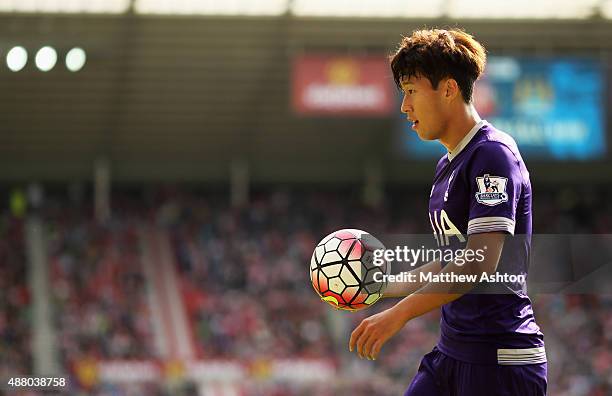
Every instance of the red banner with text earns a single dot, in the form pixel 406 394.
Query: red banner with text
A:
pixel 342 85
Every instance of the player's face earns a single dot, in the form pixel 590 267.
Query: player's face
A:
pixel 424 107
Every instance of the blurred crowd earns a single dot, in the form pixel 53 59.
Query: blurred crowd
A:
pixel 577 328
pixel 582 209
pixel 98 288
pixel 15 307
pixel 244 283
pixel 578 336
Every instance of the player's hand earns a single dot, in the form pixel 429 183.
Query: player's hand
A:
pixel 372 333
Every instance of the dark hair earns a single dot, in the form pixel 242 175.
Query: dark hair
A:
pixel 437 54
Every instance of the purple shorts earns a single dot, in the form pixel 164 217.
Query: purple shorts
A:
pixel 441 375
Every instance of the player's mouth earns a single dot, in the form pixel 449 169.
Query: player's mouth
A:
pixel 415 123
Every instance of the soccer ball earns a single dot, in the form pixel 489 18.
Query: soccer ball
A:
pixel 342 270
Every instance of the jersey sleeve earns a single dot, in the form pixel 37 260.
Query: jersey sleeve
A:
pixel 495 187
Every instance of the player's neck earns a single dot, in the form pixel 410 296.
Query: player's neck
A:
pixel 459 125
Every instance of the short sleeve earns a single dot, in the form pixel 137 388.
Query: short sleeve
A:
pixel 495 188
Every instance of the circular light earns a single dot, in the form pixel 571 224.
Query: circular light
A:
pixel 46 58
pixel 75 59
pixel 16 58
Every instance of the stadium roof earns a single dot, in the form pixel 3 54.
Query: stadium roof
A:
pixel 461 9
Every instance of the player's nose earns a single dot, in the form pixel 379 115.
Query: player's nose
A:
pixel 406 105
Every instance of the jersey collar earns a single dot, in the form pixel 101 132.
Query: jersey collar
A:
pixel 464 142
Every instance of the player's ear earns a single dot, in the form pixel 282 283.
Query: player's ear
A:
pixel 451 88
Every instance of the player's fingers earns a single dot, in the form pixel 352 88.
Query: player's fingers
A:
pixel 367 346
pixel 355 336
pixel 362 341
pixel 376 349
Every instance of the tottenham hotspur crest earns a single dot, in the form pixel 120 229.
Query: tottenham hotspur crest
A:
pixel 491 190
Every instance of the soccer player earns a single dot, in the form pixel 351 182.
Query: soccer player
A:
pixel 490 343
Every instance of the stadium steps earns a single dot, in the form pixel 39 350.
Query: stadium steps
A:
pixel 173 339
pixel 44 343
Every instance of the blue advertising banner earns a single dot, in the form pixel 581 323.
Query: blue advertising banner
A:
pixel 552 107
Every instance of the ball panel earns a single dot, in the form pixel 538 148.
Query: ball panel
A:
pixel 336 285
pixel 347 276
pixel 371 287
pixel 332 270
pixel 313 262
pixel 357 268
pixel 376 287
pixel 349 293
pixel 372 298
pixel 356 252
pixel 368 259
pixel 322 286
pixel 332 244
pixel 360 297
pixel 344 234
pixel 345 246
pixel 319 252
pixel 331 257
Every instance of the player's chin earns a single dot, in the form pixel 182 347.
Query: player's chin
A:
pixel 423 135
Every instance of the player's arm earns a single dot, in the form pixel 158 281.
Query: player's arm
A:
pixel 434 295
pixel 374 331
pixel 403 289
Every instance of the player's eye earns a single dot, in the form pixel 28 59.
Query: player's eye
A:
pixel 409 91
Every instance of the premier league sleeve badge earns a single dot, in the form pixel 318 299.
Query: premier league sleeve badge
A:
pixel 491 190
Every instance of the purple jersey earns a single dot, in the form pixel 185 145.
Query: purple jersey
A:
pixel 483 186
